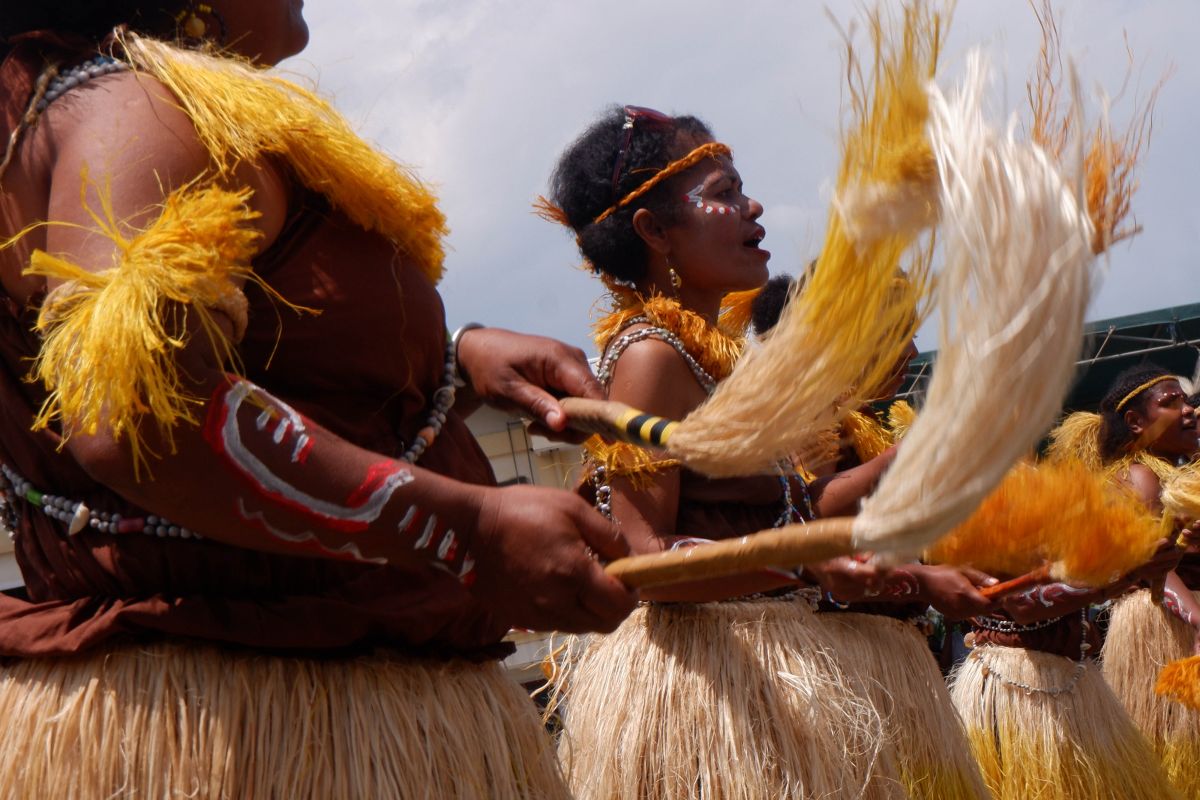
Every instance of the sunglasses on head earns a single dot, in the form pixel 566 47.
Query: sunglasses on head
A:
pixel 632 115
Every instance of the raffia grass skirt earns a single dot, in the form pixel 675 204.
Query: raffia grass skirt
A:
pixel 1142 639
pixel 738 700
pixel 1077 745
pixel 175 721
pixel 888 660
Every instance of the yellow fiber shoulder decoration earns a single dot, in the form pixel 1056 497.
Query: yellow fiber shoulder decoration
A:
pixel 243 114
pixel 867 435
pixel 1077 438
pixel 713 347
pixel 621 459
pixel 111 337
pixel 1064 513
pixel 901 416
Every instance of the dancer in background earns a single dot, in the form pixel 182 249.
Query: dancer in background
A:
pixel 1042 721
pixel 239 487
pixel 1145 428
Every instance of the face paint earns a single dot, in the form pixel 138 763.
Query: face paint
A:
pixel 224 434
pixel 692 196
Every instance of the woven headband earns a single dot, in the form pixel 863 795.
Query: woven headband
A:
pixel 1125 400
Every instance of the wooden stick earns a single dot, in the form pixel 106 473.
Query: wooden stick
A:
pixel 1032 578
pixel 615 420
pixel 788 546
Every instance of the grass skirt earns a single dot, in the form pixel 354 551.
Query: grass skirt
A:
pixel 1142 639
pixel 172 721
pixel 739 700
pixel 889 661
pixel 1077 744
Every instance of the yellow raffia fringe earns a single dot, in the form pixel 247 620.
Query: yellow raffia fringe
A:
pixel 1110 160
pixel 850 326
pixel 111 337
pixel 889 661
pixel 901 416
pixel 739 700
pixel 1064 513
pixel 171 721
pixel 1142 638
pixel 244 114
pixel 1040 746
pixel 714 348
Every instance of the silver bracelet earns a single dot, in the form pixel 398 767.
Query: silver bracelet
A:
pixel 461 378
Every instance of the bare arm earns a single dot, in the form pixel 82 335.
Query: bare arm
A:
pixel 269 480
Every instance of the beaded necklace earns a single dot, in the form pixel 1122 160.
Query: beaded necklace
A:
pixel 705 349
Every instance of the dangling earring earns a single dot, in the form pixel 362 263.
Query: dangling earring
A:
pixel 193 27
pixel 676 281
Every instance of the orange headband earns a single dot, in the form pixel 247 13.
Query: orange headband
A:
pixel 708 150
pixel 1142 388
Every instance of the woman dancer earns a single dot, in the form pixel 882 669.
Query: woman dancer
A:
pixel 262 553
pixel 1042 721
pixel 742 697
pixel 1147 426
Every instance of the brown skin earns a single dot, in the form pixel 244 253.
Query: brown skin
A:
pixel 534 568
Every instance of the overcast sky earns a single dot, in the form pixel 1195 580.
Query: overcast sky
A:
pixel 481 96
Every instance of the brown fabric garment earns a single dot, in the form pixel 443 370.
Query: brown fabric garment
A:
pixel 1189 571
pixel 366 368
pixel 1061 639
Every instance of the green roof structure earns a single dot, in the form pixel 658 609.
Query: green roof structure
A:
pixel 1168 337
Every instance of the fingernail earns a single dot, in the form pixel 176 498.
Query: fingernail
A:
pixel 991 581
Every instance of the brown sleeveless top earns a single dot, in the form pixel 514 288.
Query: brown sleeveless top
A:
pixel 366 368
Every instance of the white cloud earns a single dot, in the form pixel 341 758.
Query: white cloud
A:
pixel 482 95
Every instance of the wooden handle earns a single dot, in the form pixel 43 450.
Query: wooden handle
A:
pixel 788 546
pixel 617 420
pixel 1032 578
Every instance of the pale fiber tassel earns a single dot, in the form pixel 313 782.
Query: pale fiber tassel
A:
pixel 1143 638
pixel 1012 297
pixel 1080 745
pixel 169 721
pixel 741 700
pixel 839 340
pixel 889 661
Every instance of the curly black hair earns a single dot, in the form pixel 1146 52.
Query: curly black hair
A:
pixel 581 185
pixel 768 305
pixel 91 19
pixel 1115 435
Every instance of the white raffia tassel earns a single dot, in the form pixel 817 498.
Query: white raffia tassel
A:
pixel 1012 297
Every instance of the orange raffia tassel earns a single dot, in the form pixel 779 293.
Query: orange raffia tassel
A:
pixel 1063 514
pixel 1180 681
pixel 1110 160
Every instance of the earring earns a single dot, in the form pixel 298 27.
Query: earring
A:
pixel 193 26
pixel 676 281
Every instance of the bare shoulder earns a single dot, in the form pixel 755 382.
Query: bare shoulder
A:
pixel 652 375
pixel 1144 483
pixel 135 144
